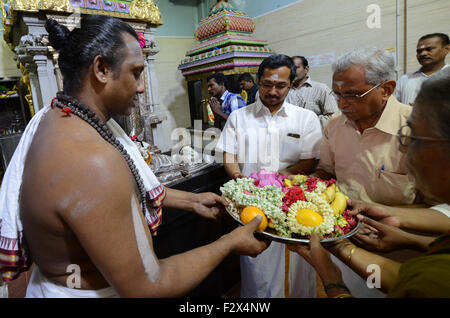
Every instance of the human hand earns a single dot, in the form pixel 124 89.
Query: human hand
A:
pixel 245 242
pixel 319 258
pixel 215 105
pixel 209 205
pixel 238 175
pixel 376 236
pixel 377 212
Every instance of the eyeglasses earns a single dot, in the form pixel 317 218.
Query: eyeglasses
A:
pixel 278 87
pixel 352 97
pixel 405 137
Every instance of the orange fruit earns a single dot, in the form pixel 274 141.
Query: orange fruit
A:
pixel 250 212
pixel 308 217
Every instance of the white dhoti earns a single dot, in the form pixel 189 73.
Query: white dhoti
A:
pixel 264 276
pixel 41 287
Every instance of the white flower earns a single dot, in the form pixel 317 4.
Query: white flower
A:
pixel 242 192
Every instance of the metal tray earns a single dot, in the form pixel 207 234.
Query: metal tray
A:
pixel 289 240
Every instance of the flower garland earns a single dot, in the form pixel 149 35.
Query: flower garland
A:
pixel 316 203
pixel 243 192
pixel 282 202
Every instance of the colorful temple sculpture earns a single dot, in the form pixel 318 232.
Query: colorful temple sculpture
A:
pixel 227 46
pixel 24 31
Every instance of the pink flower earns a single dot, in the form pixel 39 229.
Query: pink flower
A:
pixel 141 38
pixel 264 178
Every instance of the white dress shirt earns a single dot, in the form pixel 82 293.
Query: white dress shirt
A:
pixel 273 142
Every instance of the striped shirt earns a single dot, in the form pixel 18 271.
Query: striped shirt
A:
pixel 408 85
pixel 231 102
pixel 314 96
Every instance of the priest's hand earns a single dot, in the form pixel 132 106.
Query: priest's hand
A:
pixel 208 205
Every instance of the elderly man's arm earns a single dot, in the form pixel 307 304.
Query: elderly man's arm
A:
pixel 304 166
pixel 322 174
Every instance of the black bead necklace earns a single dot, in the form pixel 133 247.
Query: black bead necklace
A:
pixel 84 112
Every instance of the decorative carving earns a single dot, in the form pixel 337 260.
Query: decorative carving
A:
pixel 35 5
pixel 25 79
pixel 145 10
pixel 26 5
pixel 56 5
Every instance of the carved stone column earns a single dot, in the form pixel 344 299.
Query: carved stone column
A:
pixel 33 52
pixel 153 116
pixel 46 77
pixel 35 88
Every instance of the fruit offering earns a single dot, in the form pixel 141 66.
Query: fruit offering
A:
pixel 292 208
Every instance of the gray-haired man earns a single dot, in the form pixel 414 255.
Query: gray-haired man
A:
pixel 359 147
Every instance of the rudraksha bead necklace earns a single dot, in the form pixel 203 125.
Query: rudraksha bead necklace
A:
pixel 84 112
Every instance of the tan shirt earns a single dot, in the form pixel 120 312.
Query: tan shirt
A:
pixel 369 166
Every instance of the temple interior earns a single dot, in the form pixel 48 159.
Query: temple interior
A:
pixel 184 42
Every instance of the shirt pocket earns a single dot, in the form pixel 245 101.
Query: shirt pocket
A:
pixel 393 188
pixel 290 150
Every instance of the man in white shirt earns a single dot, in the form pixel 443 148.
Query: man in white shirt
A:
pixel 309 94
pixel 431 52
pixel 274 135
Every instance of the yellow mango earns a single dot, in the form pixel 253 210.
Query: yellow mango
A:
pixel 339 204
pixel 288 183
pixel 330 193
pixel 308 217
pixel 298 179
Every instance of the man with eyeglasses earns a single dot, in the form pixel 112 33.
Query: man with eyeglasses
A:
pixel 360 147
pixel 274 135
pixel 426 139
pixel 431 52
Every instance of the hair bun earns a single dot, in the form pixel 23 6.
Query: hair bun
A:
pixel 57 33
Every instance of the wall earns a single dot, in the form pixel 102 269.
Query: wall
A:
pixel 314 27
pixel 180 17
pixel 252 8
pixel 424 17
pixel 8 66
pixel 172 90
